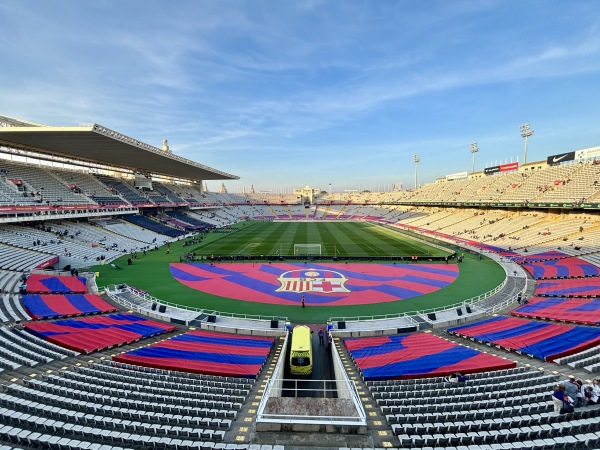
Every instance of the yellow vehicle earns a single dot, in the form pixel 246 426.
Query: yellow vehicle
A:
pixel 301 352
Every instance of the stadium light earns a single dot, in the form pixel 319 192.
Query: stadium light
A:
pixel 525 133
pixel 474 149
pixel 416 160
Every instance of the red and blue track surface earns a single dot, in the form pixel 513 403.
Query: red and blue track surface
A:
pixel 321 284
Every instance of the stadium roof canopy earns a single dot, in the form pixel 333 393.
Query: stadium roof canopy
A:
pixel 97 144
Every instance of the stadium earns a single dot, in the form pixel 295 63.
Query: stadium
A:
pixel 140 310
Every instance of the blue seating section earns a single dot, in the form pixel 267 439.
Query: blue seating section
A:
pixel 97 332
pixel 418 355
pixel 571 287
pixel 46 284
pixel 195 223
pixel 577 310
pixel 205 352
pixel 52 305
pixel 546 341
pixel 151 225
pixel 561 268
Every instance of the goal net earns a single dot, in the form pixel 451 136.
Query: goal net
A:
pixel 307 249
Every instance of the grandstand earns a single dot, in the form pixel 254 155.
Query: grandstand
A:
pixel 123 368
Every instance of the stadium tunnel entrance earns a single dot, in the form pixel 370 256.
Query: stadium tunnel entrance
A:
pixel 321 382
pixel 324 401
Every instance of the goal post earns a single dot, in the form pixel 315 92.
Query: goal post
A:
pixel 307 249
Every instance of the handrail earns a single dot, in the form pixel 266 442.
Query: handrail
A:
pixel 468 301
pixel 359 418
pixel 353 391
pixel 149 298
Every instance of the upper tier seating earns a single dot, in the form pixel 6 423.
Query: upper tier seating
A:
pixel 121 188
pixel 167 192
pixel 40 183
pixel 89 185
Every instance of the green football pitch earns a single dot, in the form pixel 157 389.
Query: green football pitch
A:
pixel 340 239
pixel 259 240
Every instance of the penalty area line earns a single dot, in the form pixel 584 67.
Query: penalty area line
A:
pixel 251 244
pixel 372 248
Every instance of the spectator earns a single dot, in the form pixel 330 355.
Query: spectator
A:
pixel 580 396
pixel 567 405
pixel 558 397
pixel 596 387
pixel 571 388
pixel 457 377
pixel 321 335
pixel 590 395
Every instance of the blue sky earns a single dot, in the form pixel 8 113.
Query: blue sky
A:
pixel 313 92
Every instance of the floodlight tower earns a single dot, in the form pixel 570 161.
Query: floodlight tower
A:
pixel 474 149
pixel 525 133
pixel 416 160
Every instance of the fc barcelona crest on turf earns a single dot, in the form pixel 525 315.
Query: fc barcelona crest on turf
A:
pixel 312 280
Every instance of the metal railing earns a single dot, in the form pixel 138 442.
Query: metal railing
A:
pixel 151 299
pixel 407 315
pixel 358 419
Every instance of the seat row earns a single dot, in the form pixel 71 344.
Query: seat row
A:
pixel 36 389
pixel 455 389
pixel 575 427
pixel 71 378
pixel 57 383
pixel 583 441
pixel 151 373
pixel 455 416
pixel 495 377
pixel 432 400
pixel 458 406
pixel 87 438
pixel 109 417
